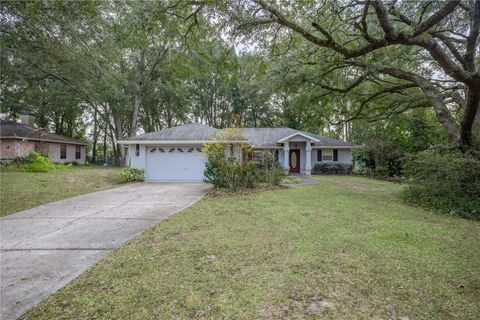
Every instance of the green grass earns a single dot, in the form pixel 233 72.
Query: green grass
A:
pixel 343 249
pixel 24 190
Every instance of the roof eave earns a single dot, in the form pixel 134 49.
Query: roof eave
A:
pixel 335 147
pixel 174 142
pixel 44 140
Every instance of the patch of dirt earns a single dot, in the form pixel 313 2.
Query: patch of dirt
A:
pixel 319 306
pixel 211 257
pixel 272 312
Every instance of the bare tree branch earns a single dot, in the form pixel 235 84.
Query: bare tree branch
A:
pixel 436 17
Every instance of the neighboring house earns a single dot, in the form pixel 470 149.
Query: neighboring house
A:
pixel 18 139
pixel 175 154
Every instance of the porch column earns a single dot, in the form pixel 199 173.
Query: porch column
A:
pixel 286 165
pixel 308 156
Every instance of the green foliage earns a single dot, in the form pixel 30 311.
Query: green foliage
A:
pixel 132 174
pixel 269 170
pixel 447 181
pixel 387 142
pixel 332 168
pixel 35 162
pixel 236 171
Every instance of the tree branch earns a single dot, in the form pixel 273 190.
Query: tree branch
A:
pixel 436 17
pixel 472 37
pixel 432 94
pixel 384 20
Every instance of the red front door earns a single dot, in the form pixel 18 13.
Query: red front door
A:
pixel 294 161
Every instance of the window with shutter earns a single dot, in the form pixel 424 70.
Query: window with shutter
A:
pixel 327 155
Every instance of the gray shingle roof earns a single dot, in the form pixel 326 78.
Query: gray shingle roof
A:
pixel 14 130
pixel 270 136
pixel 192 132
pixel 257 136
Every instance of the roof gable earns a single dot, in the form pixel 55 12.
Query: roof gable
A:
pixel 296 134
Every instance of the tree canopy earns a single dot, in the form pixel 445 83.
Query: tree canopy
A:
pixel 111 69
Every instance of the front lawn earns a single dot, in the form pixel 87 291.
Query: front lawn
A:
pixel 24 190
pixel 346 248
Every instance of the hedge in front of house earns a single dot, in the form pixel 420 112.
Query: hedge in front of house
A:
pixel 332 168
pixel 132 174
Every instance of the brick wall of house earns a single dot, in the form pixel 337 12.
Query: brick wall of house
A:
pixel 54 153
pixel 12 148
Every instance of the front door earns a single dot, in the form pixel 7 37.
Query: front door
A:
pixel 295 161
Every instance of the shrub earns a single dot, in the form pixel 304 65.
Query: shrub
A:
pixel 383 159
pixel 229 173
pixel 35 162
pixel 236 170
pixel 331 168
pixel 132 174
pixel 447 181
pixel 269 171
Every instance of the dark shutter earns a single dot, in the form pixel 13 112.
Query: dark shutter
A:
pixel 319 155
pixel 335 155
pixel 137 150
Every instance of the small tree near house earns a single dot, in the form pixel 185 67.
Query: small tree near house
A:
pixel 230 163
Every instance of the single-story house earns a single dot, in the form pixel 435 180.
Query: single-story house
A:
pixel 18 139
pixel 175 154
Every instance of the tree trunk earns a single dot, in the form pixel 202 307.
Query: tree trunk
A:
pixel 105 143
pixel 469 116
pixel 95 136
pixel 137 95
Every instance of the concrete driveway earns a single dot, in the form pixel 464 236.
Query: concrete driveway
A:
pixel 44 248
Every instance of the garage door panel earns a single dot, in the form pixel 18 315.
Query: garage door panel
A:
pixel 174 163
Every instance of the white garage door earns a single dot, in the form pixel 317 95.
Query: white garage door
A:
pixel 174 163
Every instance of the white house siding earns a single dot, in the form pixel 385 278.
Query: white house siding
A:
pixel 137 162
pixel 344 156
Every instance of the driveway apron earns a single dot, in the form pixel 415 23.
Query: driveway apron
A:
pixel 44 248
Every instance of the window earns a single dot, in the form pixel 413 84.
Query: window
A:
pixel 335 155
pixel 319 155
pixel 327 155
pixel 63 151
pixel 42 148
pixel 78 152
pixel 137 150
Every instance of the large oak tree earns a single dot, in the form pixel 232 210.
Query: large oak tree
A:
pixel 381 49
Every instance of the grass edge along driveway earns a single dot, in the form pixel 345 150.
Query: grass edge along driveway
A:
pixel 346 248
pixel 24 190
